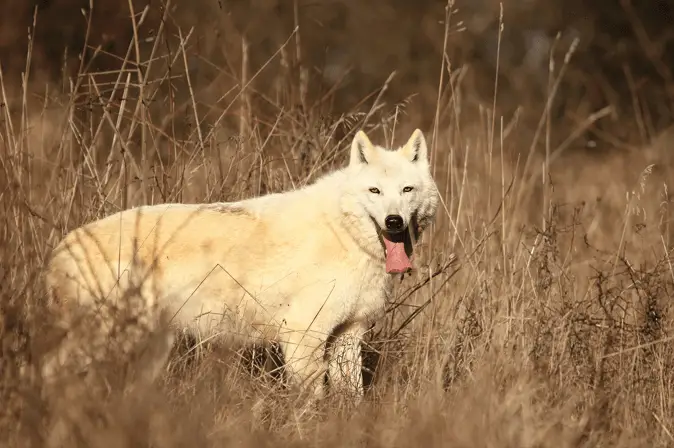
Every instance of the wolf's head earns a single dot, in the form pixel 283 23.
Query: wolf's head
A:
pixel 395 192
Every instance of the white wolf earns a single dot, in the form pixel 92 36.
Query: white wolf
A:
pixel 308 268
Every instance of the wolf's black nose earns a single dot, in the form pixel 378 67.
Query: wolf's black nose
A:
pixel 394 223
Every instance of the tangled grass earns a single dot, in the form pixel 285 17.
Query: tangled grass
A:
pixel 539 316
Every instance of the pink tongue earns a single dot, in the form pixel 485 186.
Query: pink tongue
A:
pixel 397 260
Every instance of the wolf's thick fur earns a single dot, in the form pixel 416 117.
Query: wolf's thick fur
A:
pixel 305 268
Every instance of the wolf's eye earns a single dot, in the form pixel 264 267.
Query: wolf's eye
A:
pixel 407 189
pixel 374 190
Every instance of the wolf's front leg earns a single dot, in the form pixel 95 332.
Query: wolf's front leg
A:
pixel 303 354
pixel 345 365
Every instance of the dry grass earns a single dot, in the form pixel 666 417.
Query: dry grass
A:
pixel 551 328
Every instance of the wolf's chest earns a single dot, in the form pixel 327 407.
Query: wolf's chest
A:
pixel 366 295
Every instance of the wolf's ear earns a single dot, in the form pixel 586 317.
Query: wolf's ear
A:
pixel 362 150
pixel 415 149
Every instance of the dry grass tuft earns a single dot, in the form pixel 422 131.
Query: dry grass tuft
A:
pixel 540 315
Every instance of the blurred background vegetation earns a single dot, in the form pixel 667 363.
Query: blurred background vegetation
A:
pixel 347 50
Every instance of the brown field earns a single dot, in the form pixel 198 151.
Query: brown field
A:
pixel 539 315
